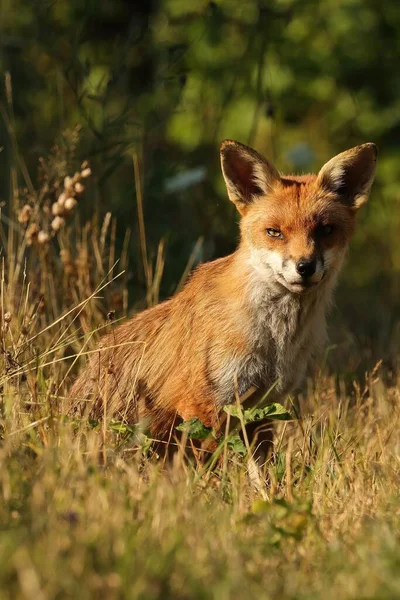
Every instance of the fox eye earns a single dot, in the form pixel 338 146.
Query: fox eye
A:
pixel 325 230
pixel 274 233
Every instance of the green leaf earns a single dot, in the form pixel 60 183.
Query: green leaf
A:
pixel 146 444
pixel 195 429
pixel 235 443
pixel 270 411
pixel 123 428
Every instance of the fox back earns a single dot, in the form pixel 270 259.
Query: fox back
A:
pixel 254 319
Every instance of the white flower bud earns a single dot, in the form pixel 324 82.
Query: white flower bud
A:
pixel 57 223
pixel 25 214
pixel 43 237
pixel 68 183
pixel 62 198
pixel 31 233
pixel 86 172
pixel 56 209
pixel 70 204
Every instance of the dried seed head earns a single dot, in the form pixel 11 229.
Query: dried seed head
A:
pixel 70 204
pixel 76 177
pixel 43 237
pixel 79 188
pixel 86 172
pixel 85 164
pixel 31 233
pixel 68 183
pixel 57 223
pixel 62 198
pixel 6 321
pixel 25 214
pixel 56 209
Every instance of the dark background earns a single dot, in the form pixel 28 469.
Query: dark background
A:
pixel 299 80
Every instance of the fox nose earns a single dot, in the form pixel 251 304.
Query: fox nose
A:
pixel 306 267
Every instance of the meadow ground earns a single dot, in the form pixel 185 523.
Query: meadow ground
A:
pixel 87 511
pixel 81 518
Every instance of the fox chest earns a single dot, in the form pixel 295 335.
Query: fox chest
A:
pixel 279 345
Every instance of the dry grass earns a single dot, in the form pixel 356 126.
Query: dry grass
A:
pixel 76 524
pixel 87 511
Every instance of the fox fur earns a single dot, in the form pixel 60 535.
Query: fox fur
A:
pixel 245 320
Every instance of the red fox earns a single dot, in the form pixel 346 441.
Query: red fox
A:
pixel 251 319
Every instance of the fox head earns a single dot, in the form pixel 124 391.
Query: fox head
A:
pixel 296 228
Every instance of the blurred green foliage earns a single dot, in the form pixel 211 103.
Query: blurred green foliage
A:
pixel 299 80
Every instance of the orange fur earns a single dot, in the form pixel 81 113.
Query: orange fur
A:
pixel 248 317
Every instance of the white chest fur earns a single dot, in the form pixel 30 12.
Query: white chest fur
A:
pixel 284 330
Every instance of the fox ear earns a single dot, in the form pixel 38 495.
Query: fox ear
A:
pixel 247 174
pixel 350 174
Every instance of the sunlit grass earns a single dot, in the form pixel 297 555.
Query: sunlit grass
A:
pixel 79 519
